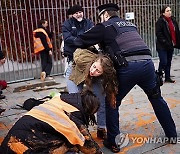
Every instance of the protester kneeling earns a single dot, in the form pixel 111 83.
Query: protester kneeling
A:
pixel 56 126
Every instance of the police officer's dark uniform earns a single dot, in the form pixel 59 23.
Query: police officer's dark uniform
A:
pixel 132 60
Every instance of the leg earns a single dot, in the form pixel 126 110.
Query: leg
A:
pixel 43 60
pixel 101 115
pixel 127 80
pixel 162 60
pixel 168 66
pixel 161 109
pixel 71 86
pixel 49 65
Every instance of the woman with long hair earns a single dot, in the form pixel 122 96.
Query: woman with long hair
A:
pixel 97 72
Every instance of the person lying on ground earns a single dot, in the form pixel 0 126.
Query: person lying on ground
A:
pixel 56 126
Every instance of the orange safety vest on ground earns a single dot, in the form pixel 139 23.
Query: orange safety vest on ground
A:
pixel 52 112
pixel 38 46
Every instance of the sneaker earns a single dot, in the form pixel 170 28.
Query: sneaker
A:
pixel 43 76
pixel 170 80
pixel 49 78
pixel 113 147
pixel 101 133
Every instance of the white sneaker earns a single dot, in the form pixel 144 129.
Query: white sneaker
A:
pixel 49 78
pixel 43 76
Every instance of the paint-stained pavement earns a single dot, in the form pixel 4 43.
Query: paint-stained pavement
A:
pixel 137 118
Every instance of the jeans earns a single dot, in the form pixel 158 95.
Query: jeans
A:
pixel 98 91
pixel 141 73
pixel 165 58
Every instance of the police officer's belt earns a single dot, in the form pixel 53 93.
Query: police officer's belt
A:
pixel 137 57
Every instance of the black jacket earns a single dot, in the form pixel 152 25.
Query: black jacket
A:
pixel 124 39
pixel 71 29
pixel 163 36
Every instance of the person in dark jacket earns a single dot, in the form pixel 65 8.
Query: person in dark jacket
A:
pixel 42 43
pixel 132 60
pixel 56 126
pixel 71 28
pixel 168 38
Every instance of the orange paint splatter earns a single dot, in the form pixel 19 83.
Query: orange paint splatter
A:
pixel 17 146
pixel 172 102
pixel 141 122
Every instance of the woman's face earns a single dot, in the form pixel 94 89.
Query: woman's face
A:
pixel 45 24
pixel 96 69
pixel 167 12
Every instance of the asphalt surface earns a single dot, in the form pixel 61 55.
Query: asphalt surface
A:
pixel 142 132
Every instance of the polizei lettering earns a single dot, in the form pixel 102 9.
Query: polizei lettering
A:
pixel 125 23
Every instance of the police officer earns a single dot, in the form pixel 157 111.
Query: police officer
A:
pixel 132 60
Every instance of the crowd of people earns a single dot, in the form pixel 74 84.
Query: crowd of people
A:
pixel 108 59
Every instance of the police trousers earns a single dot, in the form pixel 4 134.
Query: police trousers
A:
pixel 141 73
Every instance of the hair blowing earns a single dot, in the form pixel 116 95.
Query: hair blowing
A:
pixel 109 80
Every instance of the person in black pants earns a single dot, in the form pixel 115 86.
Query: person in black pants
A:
pixel 132 60
pixel 168 38
pixel 44 46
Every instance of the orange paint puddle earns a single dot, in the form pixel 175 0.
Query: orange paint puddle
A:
pixel 142 122
pixel 172 102
pixel 2 126
pixel 97 140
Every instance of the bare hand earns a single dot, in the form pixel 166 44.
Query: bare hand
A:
pixel 50 52
pixel 2 61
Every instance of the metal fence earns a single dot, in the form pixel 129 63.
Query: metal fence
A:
pixel 18 18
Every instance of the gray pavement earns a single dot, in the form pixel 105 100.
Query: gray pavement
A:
pixel 137 119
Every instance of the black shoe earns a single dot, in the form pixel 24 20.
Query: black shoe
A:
pixel 170 80
pixel 172 140
pixel 113 147
pixel 2 97
pixel 2 110
pixel 101 133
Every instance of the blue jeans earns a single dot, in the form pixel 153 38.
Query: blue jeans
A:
pixel 98 91
pixel 165 58
pixel 141 73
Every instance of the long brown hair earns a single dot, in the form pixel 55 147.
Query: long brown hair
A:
pixel 108 77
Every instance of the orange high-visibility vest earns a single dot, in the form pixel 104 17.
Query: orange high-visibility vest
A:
pixel 52 113
pixel 38 46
